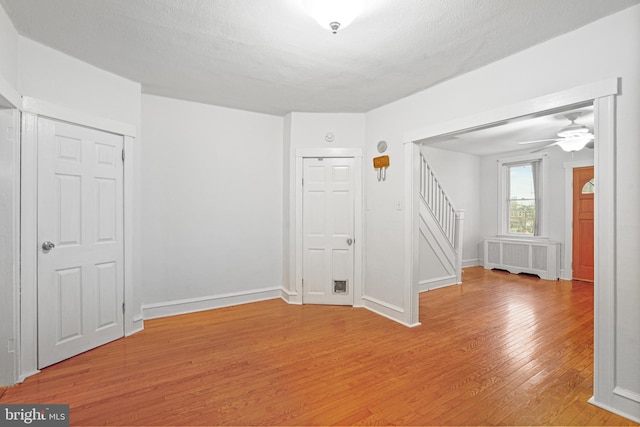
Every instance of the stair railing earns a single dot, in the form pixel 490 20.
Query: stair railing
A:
pixel 446 215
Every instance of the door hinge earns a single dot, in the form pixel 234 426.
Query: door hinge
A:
pixel 123 154
pixel 122 308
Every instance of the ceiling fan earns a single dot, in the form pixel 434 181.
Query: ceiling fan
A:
pixel 573 137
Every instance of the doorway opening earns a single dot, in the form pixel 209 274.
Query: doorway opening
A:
pixel 602 95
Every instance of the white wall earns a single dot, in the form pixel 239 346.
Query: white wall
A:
pixel 431 267
pixel 61 80
pixel 52 76
pixel 8 50
pixel 607 48
pixel 308 130
pixel 458 174
pixel 79 91
pixel 211 204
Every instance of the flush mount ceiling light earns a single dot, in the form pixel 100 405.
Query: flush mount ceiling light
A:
pixel 333 14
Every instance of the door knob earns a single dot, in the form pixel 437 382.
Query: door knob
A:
pixel 349 241
pixel 47 246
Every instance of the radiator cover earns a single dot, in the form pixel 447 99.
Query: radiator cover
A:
pixel 541 257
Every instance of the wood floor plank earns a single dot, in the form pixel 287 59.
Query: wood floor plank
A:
pixel 500 349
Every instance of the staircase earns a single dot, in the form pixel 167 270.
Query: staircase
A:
pixel 442 227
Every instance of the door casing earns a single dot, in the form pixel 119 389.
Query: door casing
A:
pixel 331 242
pixel 295 256
pixel 27 345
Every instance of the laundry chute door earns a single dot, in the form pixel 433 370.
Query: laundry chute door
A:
pixel 80 238
pixel 328 224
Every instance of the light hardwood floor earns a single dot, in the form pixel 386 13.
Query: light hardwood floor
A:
pixel 500 349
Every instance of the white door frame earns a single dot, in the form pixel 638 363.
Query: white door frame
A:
pixel 602 93
pixel 10 245
pixel 28 307
pixel 296 254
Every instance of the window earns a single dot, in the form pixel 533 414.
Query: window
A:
pixel 521 213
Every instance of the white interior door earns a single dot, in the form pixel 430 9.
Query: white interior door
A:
pixel 80 233
pixel 327 227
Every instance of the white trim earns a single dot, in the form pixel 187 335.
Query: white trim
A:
pixel 471 263
pixel 192 305
pixel 627 394
pixel 614 410
pixel 29 225
pixel 567 272
pixel 9 93
pixel 437 283
pixel 44 108
pixel 602 94
pixel 384 309
pixel 15 254
pixel 412 235
pixel 557 100
pixel 132 319
pixel 10 245
pixel 290 297
pixel 328 152
pixel 604 252
pixel 295 252
pixel 28 246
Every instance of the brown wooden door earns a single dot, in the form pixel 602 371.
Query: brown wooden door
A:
pixel 583 191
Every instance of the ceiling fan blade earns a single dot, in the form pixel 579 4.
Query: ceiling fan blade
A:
pixel 545 147
pixel 539 140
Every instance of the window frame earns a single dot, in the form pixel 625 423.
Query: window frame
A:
pixel 542 197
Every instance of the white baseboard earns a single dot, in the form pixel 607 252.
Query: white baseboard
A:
pixel 616 411
pixel 24 376
pixel 471 263
pixel 438 282
pixel 172 308
pixel 136 326
pixel 290 297
pixel 564 276
pixel 384 309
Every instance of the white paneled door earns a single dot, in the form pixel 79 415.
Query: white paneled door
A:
pixel 80 238
pixel 328 230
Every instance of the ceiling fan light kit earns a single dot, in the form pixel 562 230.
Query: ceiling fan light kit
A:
pixel 574 143
pixel 573 137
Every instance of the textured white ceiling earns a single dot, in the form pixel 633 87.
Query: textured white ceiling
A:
pixel 269 56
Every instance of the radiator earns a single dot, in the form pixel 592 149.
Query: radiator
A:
pixel 541 257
